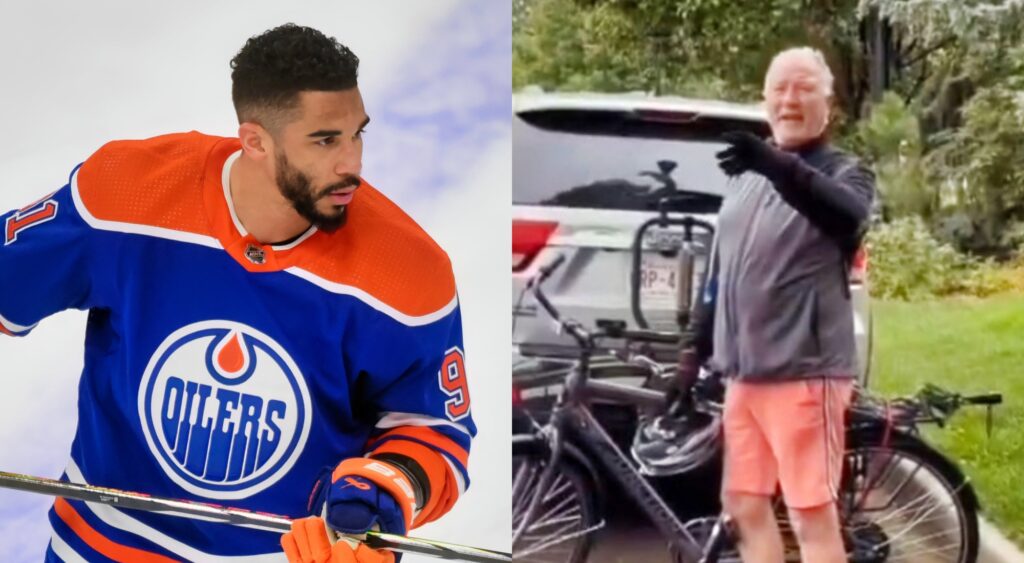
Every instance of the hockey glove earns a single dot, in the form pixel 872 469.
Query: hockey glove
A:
pixel 308 542
pixel 363 494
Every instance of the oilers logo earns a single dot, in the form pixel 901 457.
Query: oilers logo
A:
pixel 224 409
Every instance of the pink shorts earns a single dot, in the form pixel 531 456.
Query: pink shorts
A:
pixel 789 433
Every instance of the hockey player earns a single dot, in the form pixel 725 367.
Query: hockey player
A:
pixel 266 329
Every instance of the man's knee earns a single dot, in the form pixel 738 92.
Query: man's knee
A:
pixel 748 509
pixel 810 524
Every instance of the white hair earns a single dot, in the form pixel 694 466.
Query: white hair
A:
pixel 812 54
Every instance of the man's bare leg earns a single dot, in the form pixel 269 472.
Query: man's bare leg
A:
pixel 760 540
pixel 817 531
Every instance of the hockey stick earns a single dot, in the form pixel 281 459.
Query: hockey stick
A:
pixel 139 501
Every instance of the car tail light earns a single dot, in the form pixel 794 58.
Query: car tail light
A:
pixel 859 268
pixel 517 397
pixel 528 238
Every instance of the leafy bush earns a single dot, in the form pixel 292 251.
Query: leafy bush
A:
pixel 907 263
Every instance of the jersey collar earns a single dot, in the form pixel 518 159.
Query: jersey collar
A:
pixel 250 253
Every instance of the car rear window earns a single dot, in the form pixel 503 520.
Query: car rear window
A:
pixel 620 159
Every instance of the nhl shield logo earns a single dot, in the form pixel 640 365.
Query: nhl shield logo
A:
pixel 224 409
pixel 255 254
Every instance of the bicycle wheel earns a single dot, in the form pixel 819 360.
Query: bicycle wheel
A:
pixel 903 501
pixel 563 524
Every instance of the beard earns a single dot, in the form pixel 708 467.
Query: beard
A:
pixel 297 188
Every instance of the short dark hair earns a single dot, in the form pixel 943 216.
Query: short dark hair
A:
pixel 272 68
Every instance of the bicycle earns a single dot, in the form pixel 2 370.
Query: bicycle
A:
pixel 900 500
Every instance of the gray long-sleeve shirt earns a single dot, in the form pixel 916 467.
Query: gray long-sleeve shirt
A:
pixel 781 303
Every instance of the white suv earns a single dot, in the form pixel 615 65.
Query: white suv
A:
pixel 588 171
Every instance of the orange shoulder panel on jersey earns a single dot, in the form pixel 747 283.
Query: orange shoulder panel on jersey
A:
pixel 155 182
pixel 166 183
pixel 382 251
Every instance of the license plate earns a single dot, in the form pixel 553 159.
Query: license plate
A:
pixel 658 282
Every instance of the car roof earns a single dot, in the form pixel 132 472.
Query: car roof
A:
pixel 533 100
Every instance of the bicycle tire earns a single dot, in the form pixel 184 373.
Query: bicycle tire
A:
pixel 956 486
pixel 529 458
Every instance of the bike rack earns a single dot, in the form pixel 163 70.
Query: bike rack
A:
pixel 685 267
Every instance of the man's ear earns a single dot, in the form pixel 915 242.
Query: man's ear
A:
pixel 257 142
pixel 836 116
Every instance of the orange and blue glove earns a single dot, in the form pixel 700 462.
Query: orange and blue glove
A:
pixel 363 494
pixel 309 542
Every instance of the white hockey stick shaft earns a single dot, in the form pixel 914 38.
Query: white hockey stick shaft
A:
pixel 139 501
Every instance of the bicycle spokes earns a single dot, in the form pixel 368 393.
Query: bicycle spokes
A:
pixel 556 517
pixel 897 507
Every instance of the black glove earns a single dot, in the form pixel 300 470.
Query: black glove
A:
pixel 747 152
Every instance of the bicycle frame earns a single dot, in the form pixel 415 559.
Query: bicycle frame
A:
pixel 573 420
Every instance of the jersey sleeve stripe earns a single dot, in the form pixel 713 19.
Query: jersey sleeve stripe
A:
pixel 462 440
pixel 396 419
pixel 12 329
pixel 461 480
pixel 100 543
pixel 429 437
pixel 454 487
pixel 342 289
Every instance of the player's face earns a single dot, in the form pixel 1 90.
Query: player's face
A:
pixel 319 156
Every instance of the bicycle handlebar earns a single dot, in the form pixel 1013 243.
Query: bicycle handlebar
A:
pixel 573 328
pixel 546 271
pixel 985 399
pixel 937 397
pixel 641 335
pixel 932 404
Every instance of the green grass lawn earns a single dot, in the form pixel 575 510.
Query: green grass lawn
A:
pixel 969 346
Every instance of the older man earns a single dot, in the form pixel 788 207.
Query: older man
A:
pixel 780 326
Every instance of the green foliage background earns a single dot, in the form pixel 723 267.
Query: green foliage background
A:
pixel 931 93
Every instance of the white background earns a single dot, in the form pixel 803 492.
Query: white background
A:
pixel 435 77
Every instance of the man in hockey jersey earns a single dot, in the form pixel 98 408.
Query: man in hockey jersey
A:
pixel 265 329
pixel 776 317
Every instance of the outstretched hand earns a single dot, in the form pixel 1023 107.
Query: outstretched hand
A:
pixel 747 152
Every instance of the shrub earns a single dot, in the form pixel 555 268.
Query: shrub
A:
pixel 908 263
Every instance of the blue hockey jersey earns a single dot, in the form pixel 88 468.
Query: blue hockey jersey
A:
pixel 223 370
